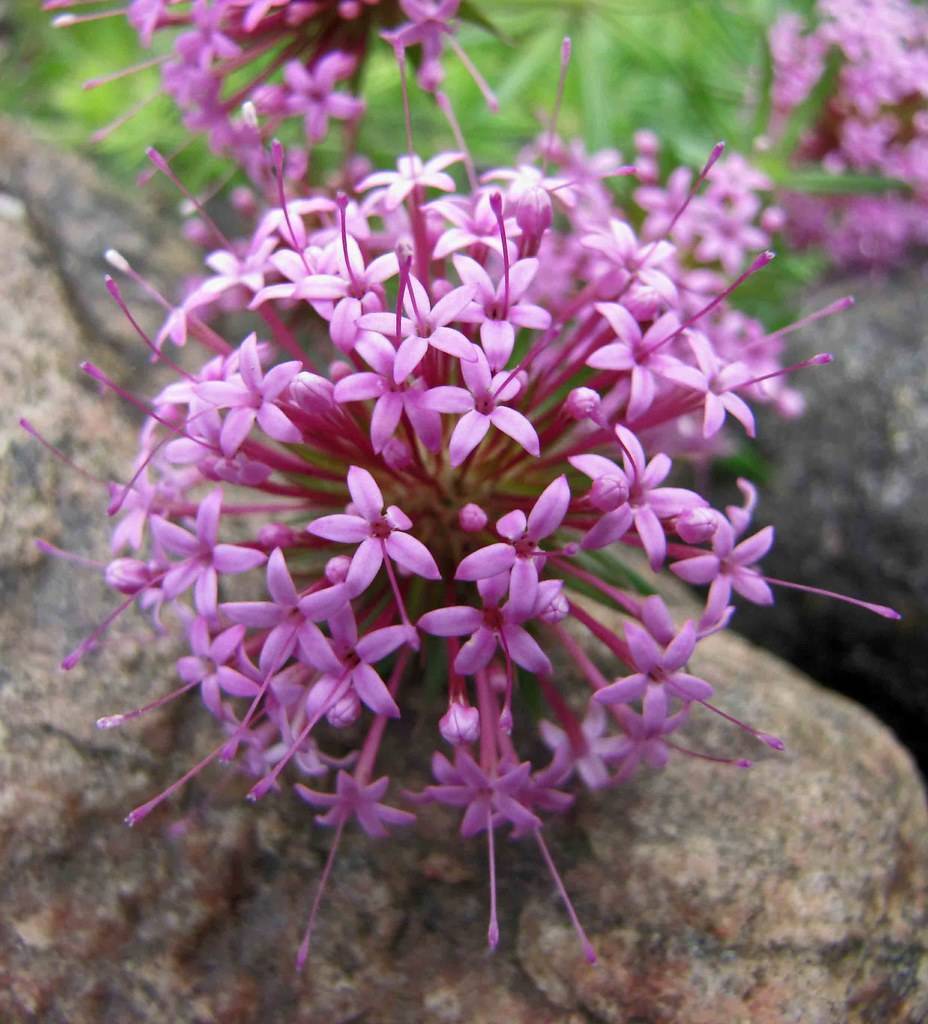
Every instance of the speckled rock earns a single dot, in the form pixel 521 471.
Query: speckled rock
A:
pixel 795 892
pixel 847 494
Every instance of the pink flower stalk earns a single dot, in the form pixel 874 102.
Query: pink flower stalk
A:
pixel 873 122
pixel 444 472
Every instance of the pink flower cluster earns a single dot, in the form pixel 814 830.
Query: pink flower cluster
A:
pixel 874 122
pixel 459 411
pixel 237 69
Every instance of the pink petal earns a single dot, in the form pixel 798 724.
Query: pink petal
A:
pixel 412 554
pixel 322 604
pixel 610 528
pixel 279 583
pixel 317 650
pixel 458 620
pixel 516 426
pixel 365 564
pixel 488 561
pixel 476 653
pixel 550 509
pixel 365 493
pixel 343 529
pixel 680 649
pixel 701 569
pixel 652 535
pixel 447 339
pixel 377 645
pixel 235 428
pixel 512 525
pixel 469 431
pixel 497 338
pixel 359 387
pixel 372 691
pixel 232 559
pixel 448 399
pixel 623 690
pixel 385 419
pixel 257 614
pixel 208 518
pixel 408 357
pixel 275 424
pixel 448 308
pixel 690 687
pixel 754 548
pixel 645 651
pixel 525 651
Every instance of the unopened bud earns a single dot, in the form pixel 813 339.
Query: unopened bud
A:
pixel 772 219
pixel 276 535
pixel 609 492
pixel 556 610
pixel 496 676
pixel 397 454
pixel 646 142
pixel 338 370
pixel 472 518
pixel 250 114
pixel 127 575
pixel 344 712
pixel 311 392
pixel 460 724
pixel 533 212
pixel 582 403
pixel 697 525
pixel 336 569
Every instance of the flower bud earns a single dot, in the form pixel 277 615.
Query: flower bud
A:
pixel 496 677
pixel 472 518
pixel 533 212
pixel 646 142
pixel 127 575
pixel 276 535
pixel 460 724
pixel 609 492
pixel 311 392
pixel 338 369
pixel 697 525
pixel 344 711
pixel 772 219
pixel 336 569
pixel 556 610
pixel 397 454
pixel 582 403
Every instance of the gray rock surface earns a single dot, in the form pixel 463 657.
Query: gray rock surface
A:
pixel 795 892
pixel 847 495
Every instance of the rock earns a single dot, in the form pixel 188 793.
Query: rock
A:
pixel 846 493
pixel 792 892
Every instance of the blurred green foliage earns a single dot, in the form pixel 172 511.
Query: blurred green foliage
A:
pixel 692 70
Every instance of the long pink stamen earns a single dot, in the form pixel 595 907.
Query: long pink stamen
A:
pixel 493 928
pixel 774 742
pixel 878 609
pixel 758 263
pixel 115 76
pixel 59 454
pixel 489 96
pixel 496 205
pixel 112 721
pixel 303 951
pixel 566 48
pixel 589 952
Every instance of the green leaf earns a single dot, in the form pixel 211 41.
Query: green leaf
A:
pixel 819 182
pixel 469 11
